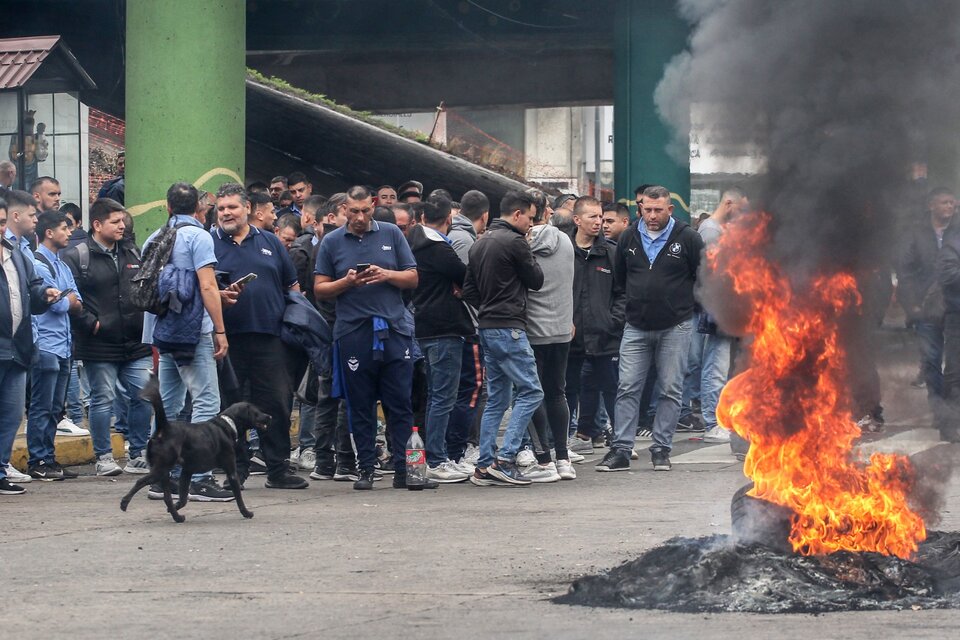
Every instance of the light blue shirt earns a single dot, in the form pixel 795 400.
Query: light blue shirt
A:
pixel 192 250
pixel 53 326
pixel 652 246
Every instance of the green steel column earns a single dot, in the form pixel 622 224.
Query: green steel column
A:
pixel 647 36
pixel 185 101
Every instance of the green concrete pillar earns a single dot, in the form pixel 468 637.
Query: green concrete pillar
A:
pixel 185 102
pixel 648 35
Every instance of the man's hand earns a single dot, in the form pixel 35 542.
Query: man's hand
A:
pixel 220 345
pixel 51 294
pixel 352 278
pixel 228 296
pixel 96 328
pixel 373 275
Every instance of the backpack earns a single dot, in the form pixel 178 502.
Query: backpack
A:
pixel 145 292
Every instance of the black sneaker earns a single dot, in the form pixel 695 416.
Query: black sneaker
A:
pixel 484 479
pixel 344 473
pixel 67 474
pixel 661 460
pixel 400 482
pixel 207 490
pixel 690 424
pixel 364 480
pixel 384 466
pixel 324 472
pixel 615 460
pixel 44 472
pixel 7 488
pixel 155 492
pixel 257 467
pixel 507 472
pixel 287 481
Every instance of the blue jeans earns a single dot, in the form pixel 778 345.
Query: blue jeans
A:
pixel 714 375
pixel 931 356
pixel 103 377
pixel 75 394
pixel 693 380
pixel 469 396
pixel 308 426
pixel 13 392
pixel 510 364
pixel 199 377
pixel 670 349
pixel 49 376
pixel 443 356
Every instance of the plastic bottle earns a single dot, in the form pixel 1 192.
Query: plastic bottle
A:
pixel 416 462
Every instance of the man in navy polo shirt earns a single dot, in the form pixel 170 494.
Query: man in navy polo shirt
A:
pixel 365 265
pixel 252 316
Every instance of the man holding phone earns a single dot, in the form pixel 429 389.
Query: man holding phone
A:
pixel 364 266
pixel 253 316
pixel 50 370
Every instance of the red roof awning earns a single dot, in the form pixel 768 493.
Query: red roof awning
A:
pixel 21 57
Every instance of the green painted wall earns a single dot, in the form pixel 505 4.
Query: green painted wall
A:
pixel 185 101
pixel 648 35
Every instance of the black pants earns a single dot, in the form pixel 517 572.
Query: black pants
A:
pixel 260 364
pixel 460 429
pixel 552 417
pixel 590 379
pixel 333 434
pixel 948 417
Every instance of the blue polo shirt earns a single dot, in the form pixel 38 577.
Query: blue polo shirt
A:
pixel 384 246
pixel 260 307
pixel 53 326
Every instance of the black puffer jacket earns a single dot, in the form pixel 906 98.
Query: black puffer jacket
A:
pixel 501 270
pixel 106 299
pixel 438 312
pixel 659 295
pixel 598 306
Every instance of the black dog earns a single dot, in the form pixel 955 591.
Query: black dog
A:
pixel 196 447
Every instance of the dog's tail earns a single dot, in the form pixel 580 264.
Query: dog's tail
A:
pixel 151 393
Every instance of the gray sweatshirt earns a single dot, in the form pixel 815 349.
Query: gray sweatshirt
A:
pixel 550 310
pixel 462 236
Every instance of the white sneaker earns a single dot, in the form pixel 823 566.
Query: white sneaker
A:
pixel 542 473
pixel 67 428
pixel 634 455
pixel 583 447
pixel 14 475
pixel 716 434
pixel 464 466
pixel 136 465
pixel 565 470
pixel 575 457
pixel 107 466
pixel 471 455
pixel 446 473
pixel 294 458
pixel 526 458
pixel 308 458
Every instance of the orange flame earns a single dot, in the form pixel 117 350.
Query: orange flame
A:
pixel 792 405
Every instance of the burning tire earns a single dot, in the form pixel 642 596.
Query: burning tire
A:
pixel 756 521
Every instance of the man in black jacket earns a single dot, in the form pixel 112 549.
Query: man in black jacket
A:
pixel 917 288
pixel 656 267
pixel 598 308
pixel 442 322
pixel 501 270
pixel 947 415
pixel 108 332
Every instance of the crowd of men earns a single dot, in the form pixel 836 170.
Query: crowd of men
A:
pixel 579 323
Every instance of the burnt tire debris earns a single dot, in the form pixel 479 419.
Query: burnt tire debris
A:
pixel 719 574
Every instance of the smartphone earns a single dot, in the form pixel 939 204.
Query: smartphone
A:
pixel 247 279
pixel 63 294
pixel 363 266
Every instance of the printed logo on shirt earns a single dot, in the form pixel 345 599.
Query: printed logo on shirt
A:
pixel 603 270
pixel 266 252
pixel 386 247
pixel 406 354
pixel 675 248
pixel 353 363
pixel 632 250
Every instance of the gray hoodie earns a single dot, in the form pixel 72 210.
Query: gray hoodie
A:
pixel 462 236
pixel 550 310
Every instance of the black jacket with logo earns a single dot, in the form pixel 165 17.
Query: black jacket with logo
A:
pixel 501 270
pixel 598 306
pixel 659 295
pixel 438 312
pixel 106 299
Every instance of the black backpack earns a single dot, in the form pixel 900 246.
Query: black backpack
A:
pixel 145 294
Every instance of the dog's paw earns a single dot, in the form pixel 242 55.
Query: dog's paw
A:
pixel 247 514
pixel 178 518
pixel 123 505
